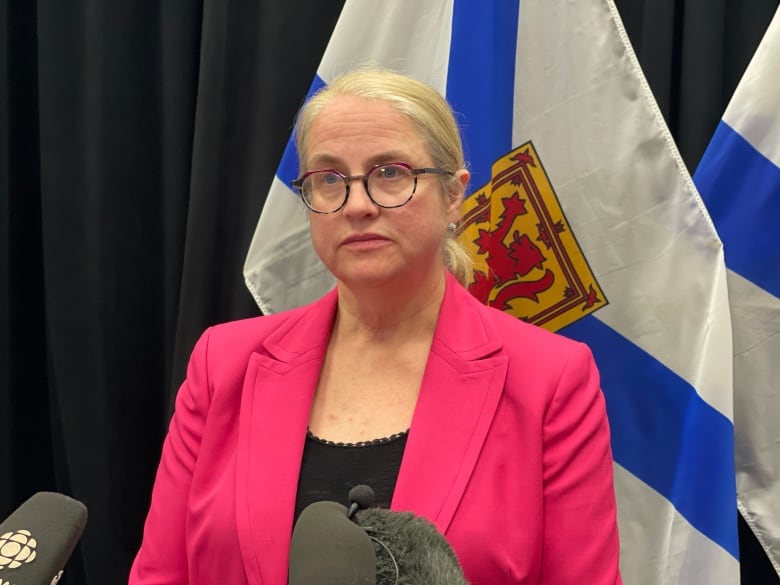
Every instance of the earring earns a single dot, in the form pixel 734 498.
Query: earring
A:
pixel 451 227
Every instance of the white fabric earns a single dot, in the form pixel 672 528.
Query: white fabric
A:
pixel 754 114
pixel 661 531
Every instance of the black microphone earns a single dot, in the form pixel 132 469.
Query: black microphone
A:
pixel 37 539
pixel 376 546
pixel 329 549
pixel 361 496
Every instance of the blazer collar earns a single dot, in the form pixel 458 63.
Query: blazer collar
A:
pixel 306 329
pixel 462 327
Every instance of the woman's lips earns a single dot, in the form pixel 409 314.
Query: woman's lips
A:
pixel 364 241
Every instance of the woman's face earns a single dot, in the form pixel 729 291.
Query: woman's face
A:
pixel 365 245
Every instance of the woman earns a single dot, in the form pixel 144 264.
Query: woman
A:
pixel 491 428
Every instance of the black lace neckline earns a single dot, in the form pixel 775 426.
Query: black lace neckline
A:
pixel 359 444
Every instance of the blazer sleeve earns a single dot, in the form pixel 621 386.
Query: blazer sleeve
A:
pixel 580 515
pixel 162 558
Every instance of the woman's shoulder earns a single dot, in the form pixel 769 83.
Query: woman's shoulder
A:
pixel 253 325
pixel 470 323
pixel 224 352
pixel 511 327
pixel 530 346
pixel 515 332
pixel 249 335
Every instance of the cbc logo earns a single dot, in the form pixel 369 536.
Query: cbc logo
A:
pixel 16 549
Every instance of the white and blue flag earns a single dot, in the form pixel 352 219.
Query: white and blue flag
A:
pixel 739 180
pixel 562 76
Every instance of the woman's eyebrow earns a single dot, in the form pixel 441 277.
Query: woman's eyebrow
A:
pixel 389 156
pixel 324 160
pixel 329 160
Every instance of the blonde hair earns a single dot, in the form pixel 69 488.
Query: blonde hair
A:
pixel 430 114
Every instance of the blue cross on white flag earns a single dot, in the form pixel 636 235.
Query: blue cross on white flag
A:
pixel 557 84
pixel 739 179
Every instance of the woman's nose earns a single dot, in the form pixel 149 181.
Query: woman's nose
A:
pixel 358 201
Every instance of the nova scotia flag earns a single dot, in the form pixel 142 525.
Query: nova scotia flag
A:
pixel 739 179
pixel 556 83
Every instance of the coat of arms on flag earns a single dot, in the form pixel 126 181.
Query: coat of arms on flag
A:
pixel 529 263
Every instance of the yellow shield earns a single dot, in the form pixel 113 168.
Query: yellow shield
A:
pixel 528 261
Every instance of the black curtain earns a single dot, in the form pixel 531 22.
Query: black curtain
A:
pixel 137 142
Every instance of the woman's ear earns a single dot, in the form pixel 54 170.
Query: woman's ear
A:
pixel 463 178
pixel 456 196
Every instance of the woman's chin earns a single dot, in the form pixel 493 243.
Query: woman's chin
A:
pixel 370 275
pixel 391 272
pixel 370 280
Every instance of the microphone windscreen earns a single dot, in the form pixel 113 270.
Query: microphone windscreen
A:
pixel 37 539
pixel 421 552
pixel 362 495
pixel 327 548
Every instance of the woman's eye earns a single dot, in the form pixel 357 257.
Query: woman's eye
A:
pixel 388 172
pixel 330 178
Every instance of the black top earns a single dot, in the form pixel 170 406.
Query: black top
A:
pixel 329 470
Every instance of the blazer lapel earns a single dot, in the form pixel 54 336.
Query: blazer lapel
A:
pixel 276 401
pixel 461 388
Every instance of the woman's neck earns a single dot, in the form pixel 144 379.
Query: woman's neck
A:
pixel 390 312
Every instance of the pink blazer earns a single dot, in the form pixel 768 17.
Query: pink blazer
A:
pixel 508 452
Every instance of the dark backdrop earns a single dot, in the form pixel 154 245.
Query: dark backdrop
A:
pixel 137 141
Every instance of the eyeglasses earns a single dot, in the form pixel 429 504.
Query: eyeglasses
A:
pixel 388 186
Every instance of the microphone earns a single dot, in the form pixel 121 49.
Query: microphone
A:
pixel 329 549
pixel 410 550
pixel 376 546
pixel 361 496
pixel 37 539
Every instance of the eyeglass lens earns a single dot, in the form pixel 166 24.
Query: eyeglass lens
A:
pixel 388 185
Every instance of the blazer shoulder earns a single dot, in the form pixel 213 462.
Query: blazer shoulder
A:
pixel 247 336
pixel 530 340
pixel 473 329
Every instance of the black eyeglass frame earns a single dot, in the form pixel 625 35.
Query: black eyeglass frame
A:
pixel 298 183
